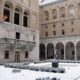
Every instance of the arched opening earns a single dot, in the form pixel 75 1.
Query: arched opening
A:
pixel 42 51
pixel 62 12
pixel 7 11
pixel 17 13
pixel 71 11
pixel 60 51
pixel 26 19
pixel 46 13
pixel 54 14
pixel 70 51
pixel 78 50
pixel 50 51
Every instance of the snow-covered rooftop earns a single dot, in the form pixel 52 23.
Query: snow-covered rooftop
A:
pixel 47 2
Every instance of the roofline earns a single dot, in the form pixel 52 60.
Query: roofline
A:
pixel 51 3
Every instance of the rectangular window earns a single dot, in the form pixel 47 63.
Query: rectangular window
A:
pixel 17 35
pixel 25 21
pixel 7 14
pixel 54 25
pixel 72 30
pixel 54 17
pixel 16 18
pixel 62 15
pixel 46 34
pixel 6 56
pixel 26 54
pixel 54 33
pixel 62 24
pixel 63 32
pixel 47 18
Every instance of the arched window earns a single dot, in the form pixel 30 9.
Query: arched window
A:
pixel 71 11
pixel 54 14
pixel 7 11
pixel 17 15
pixel 62 12
pixel 46 15
pixel 79 9
pixel 26 19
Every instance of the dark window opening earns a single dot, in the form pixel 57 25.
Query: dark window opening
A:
pixel 72 30
pixel 63 32
pixel 17 10
pixel 54 25
pixel 46 34
pixel 25 21
pixel 62 24
pixel 72 22
pixel 47 18
pixel 6 54
pixel 62 51
pixel 54 17
pixel 54 32
pixel 17 35
pixel 73 53
pixel 7 14
pixel 16 18
pixel 62 15
pixel 26 54
pixel 7 6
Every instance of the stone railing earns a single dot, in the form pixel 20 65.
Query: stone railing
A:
pixel 17 44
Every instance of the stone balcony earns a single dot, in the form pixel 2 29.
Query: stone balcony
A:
pixel 8 40
pixel 12 44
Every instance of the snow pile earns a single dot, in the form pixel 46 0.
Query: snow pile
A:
pixel 72 73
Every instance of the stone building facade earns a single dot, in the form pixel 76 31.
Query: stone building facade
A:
pixel 60 30
pixel 19 30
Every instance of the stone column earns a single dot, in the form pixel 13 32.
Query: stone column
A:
pixel 1 9
pixel 45 52
pixel 64 53
pixel 21 19
pixel 75 53
pixel 55 52
pixel 13 12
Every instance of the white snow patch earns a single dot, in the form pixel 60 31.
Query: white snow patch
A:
pixel 72 73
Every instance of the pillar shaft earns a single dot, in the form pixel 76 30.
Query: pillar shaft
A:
pixel 46 53
pixel 64 53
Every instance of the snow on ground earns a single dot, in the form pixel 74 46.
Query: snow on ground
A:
pixel 72 73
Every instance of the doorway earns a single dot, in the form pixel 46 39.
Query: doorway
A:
pixel 17 56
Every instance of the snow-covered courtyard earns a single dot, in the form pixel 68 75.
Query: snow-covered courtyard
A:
pixel 72 72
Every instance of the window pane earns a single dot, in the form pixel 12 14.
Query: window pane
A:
pixel 16 18
pixel 17 35
pixel 25 21
pixel 7 14
pixel 26 54
pixel 6 54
